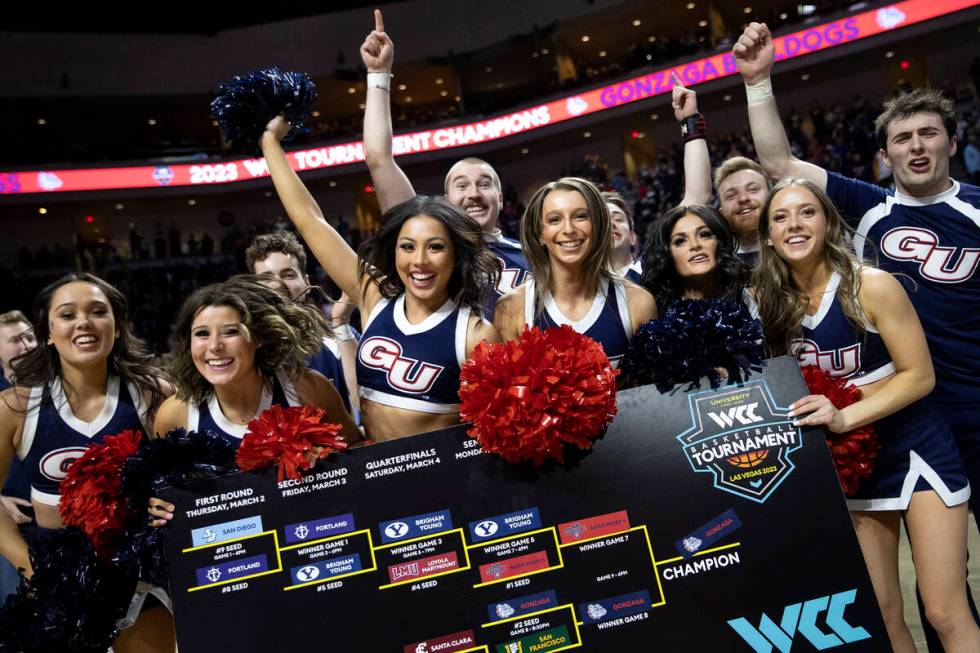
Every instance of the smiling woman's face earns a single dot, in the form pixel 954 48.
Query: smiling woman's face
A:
pixel 693 247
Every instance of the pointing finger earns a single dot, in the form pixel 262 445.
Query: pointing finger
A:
pixel 379 24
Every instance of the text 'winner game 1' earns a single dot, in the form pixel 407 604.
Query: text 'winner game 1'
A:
pixel 700 521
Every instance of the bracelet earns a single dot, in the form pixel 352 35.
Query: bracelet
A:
pixel 342 333
pixel 379 80
pixel 694 128
pixel 760 92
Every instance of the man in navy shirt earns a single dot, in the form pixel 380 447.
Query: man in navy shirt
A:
pixel 926 230
pixel 281 255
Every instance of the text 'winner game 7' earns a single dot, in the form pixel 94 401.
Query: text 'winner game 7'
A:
pixel 699 521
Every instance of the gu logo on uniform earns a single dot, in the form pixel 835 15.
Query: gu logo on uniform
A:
pixel 836 362
pixel 936 263
pixel 54 465
pixel 404 374
pixel 742 438
pixel 510 278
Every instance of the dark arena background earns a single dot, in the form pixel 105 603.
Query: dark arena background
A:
pixel 110 162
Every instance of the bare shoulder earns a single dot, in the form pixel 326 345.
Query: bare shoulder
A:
pixel 879 287
pixel 312 388
pixel 171 415
pixel 13 409
pixel 479 330
pixel 15 400
pixel 642 305
pixel 508 315
pixel 877 280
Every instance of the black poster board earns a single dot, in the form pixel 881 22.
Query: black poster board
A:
pixel 699 522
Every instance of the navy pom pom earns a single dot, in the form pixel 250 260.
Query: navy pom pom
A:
pixel 172 460
pixel 250 101
pixel 72 602
pixel 694 339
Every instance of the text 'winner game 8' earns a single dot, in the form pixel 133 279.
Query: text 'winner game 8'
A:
pixel 700 521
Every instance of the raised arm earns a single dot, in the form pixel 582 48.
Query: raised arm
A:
pixel 390 182
pixel 697 162
pixel 12 544
pixel 754 55
pixel 331 250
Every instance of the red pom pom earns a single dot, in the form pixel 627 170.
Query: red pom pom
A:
pixel 292 438
pixel 91 492
pixel 853 452
pixel 529 397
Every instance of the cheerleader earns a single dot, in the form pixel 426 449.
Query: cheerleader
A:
pixel 419 281
pixel 692 254
pixel 856 322
pixel 240 347
pixel 566 233
pixel 91 377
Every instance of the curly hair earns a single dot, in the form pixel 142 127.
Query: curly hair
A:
pixel 130 358
pixel 475 273
pixel 659 274
pixel 284 242
pixel 782 305
pixel 597 265
pixel 285 333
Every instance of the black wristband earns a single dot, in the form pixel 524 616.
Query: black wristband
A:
pixel 693 128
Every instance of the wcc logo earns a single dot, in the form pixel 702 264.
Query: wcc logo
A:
pixel 936 263
pixel 799 620
pixel 405 374
pixel 742 438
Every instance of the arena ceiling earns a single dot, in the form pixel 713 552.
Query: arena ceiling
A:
pixel 196 18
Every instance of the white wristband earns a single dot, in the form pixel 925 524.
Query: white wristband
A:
pixel 760 92
pixel 379 80
pixel 342 333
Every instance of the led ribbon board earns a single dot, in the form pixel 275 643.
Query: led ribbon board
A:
pixel 803 42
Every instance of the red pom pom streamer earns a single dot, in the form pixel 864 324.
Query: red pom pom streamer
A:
pixel 292 438
pixel 528 398
pixel 853 452
pixel 91 496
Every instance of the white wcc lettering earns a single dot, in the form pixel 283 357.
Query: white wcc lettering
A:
pixel 836 362
pixel 936 263
pixel 744 415
pixel 55 464
pixel 405 374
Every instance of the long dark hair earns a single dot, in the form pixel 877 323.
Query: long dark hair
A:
pixel 476 270
pixel 285 333
pixel 659 274
pixel 130 358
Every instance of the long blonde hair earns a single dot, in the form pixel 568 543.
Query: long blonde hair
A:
pixel 598 262
pixel 782 306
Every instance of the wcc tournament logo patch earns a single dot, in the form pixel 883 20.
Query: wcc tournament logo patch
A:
pixel 741 438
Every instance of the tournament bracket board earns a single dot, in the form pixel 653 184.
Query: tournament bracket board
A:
pixel 699 521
